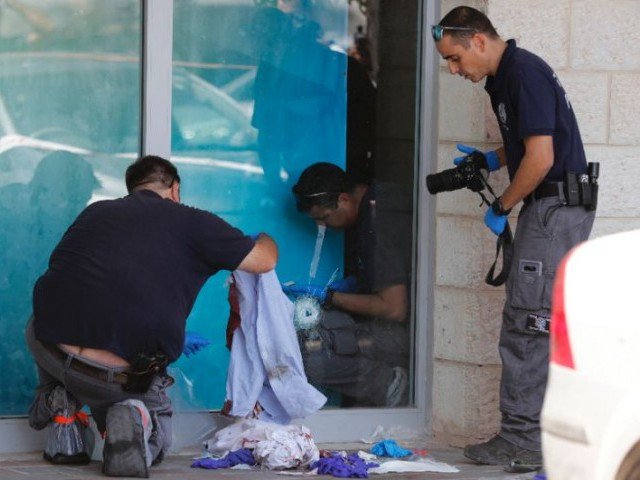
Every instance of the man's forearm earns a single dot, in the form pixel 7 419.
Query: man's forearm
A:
pixel 534 167
pixel 262 258
pixel 389 304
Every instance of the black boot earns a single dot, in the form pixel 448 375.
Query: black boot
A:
pixel 525 461
pixel 496 451
pixel 499 451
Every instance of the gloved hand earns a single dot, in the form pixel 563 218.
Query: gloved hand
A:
pixel 491 160
pixel 345 285
pixel 193 343
pixel 316 291
pixel 495 222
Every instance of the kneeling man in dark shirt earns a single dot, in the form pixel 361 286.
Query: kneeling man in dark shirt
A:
pixel 110 311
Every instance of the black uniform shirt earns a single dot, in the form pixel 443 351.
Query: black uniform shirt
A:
pixel 126 273
pixel 529 100
pixel 383 243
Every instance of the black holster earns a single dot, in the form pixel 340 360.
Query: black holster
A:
pixel 143 370
pixel 582 189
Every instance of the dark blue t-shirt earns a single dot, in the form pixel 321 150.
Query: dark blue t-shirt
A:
pixel 529 100
pixel 126 273
pixel 383 238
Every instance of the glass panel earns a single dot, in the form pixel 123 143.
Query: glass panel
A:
pixel 69 126
pixel 259 94
pixel 263 89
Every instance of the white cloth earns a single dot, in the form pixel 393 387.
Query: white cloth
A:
pixel 266 363
pixel 423 465
pixel 274 446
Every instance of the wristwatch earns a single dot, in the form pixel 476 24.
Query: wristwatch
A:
pixel 498 209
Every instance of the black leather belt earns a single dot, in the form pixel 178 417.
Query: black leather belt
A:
pixel 546 189
pixel 74 363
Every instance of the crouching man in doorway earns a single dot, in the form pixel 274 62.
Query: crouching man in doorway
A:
pixel 110 311
pixel 363 347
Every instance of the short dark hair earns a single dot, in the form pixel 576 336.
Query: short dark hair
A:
pixel 151 169
pixel 467 17
pixel 320 185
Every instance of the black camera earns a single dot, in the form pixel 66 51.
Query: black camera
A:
pixel 466 175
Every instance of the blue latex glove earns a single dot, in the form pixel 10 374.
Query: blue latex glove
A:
pixel 255 236
pixel 495 222
pixel 316 291
pixel 389 448
pixel 242 456
pixel 345 285
pixel 193 343
pixel 491 157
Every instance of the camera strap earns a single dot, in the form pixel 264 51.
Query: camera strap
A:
pixel 504 243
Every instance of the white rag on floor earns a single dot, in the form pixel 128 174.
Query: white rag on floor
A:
pixel 266 363
pixel 274 446
pixel 422 465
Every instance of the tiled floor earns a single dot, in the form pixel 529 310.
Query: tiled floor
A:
pixel 31 466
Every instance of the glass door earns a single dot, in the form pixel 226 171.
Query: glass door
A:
pixel 242 95
pixel 258 94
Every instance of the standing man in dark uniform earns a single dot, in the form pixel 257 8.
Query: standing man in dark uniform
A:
pixel 542 145
pixel 364 352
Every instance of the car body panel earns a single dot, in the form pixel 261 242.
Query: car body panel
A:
pixel 590 417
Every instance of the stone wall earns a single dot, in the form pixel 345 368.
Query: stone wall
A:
pixel 594 46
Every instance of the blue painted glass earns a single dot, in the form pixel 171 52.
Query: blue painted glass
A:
pixel 259 94
pixel 69 114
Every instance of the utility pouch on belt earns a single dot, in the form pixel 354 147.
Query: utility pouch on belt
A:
pixel 142 371
pixel 341 330
pixel 582 190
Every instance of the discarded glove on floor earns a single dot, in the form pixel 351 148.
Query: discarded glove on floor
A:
pixel 339 465
pixel 242 456
pixel 389 448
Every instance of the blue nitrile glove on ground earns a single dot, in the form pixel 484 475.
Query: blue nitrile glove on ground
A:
pixel 389 448
pixel 242 456
pixel 344 285
pixel 193 343
pixel 495 222
pixel 491 158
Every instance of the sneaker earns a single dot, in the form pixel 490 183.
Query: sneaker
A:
pixel 126 448
pixel 397 393
pixel 525 461
pixel 498 451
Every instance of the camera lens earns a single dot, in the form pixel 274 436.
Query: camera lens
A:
pixel 445 181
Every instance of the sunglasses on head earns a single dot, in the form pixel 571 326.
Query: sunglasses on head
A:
pixel 437 31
